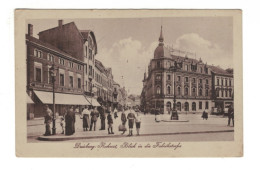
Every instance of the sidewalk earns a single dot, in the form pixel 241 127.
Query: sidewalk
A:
pixel 188 124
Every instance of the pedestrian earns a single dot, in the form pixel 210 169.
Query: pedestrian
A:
pixel 115 113
pixel 138 123
pixel 70 122
pixel 102 118
pixel 85 118
pixel 123 119
pixel 47 121
pixel 131 119
pixel 110 123
pixel 62 124
pixel 231 115
pixel 205 114
pixel 94 115
pixel 157 115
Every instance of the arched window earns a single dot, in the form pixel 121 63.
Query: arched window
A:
pixel 186 106
pixel 200 69
pixel 179 90
pixel 222 93
pixel 200 92
pixel 193 106
pixel 158 64
pixel 193 92
pixel 169 90
pixel 178 106
pixel 226 93
pixel 186 91
pixel 158 90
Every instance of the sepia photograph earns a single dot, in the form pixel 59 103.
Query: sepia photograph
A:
pixel 133 83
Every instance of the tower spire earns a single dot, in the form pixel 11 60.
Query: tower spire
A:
pixel 161 37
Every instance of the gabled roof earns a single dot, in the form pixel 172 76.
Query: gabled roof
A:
pixel 83 33
pixel 218 70
pixel 39 42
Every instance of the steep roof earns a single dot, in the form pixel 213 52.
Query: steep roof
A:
pixel 46 45
pixel 218 70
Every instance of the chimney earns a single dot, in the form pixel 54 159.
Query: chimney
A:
pixel 30 30
pixel 60 23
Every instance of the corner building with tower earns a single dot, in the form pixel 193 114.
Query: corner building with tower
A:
pixel 190 81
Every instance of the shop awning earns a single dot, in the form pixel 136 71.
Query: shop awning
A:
pixel 92 101
pixel 61 98
pixel 29 100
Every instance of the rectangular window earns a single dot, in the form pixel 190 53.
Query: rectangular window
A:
pixel 61 61
pixel 186 79
pixel 200 105
pixel 207 81
pixel 38 74
pixel 50 57
pixel 79 67
pixel 90 54
pixel 226 82
pixel 179 78
pixel 71 65
pixel 194 80
pixel 37 53
pixel 200 81
pixel 71 81
pixel 207 92
pixel 222 82
pixel 79 83
pixel 168 77
pixel 61 79
pixel 218 82
pixel 207 105
pixel 229 82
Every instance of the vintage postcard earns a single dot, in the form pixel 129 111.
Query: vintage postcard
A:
pixel 129 83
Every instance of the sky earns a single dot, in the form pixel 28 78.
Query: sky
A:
pixel 127 44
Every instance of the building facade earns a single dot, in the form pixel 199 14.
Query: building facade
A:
pixel 223 93
pixel 79 78
pixel 190 81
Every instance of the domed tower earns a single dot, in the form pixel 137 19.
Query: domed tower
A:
pixel 161 51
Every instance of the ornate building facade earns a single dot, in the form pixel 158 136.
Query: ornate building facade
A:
pixel 191 82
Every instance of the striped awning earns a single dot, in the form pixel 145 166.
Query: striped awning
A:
pixel 92 101
pixel 61 98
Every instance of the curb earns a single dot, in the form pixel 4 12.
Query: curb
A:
pixel 64 138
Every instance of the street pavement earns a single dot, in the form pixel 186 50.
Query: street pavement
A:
pixel 190 126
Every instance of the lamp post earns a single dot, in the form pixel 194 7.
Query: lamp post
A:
pixel 174 115
pixel 53 74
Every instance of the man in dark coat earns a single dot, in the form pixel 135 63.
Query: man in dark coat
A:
pixel 102 118
pixel 230 115
pixel 94 115
pixel 110 123
pixel 70 122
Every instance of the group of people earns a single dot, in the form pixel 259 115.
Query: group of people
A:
pixel 89 116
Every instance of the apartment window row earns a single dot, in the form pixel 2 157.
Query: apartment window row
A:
pixel 223 93
pixel 38 53
pixel 222 82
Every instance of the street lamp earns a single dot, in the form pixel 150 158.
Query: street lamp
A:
pixel 174 115
pixel 53 71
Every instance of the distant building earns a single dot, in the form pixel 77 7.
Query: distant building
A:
pixel 223 89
